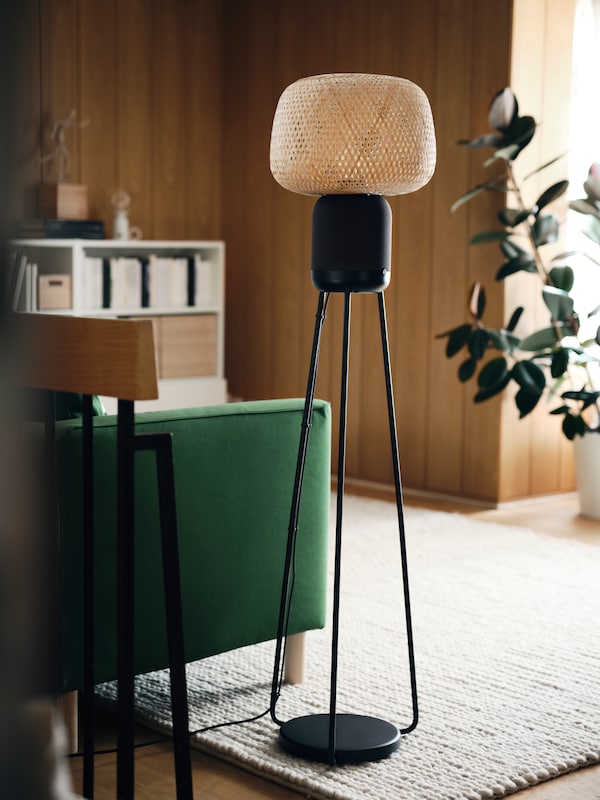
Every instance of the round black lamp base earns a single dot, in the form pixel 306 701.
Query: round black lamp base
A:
pixel 358 738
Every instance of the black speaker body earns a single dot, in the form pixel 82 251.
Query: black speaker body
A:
pixel 351 243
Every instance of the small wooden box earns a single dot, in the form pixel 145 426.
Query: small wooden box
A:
pixel 63 201
pixel 54 292
pixel 187 346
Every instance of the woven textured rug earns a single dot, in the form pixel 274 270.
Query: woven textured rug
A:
pixel 507 655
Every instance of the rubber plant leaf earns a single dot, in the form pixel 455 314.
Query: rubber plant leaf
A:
pixel 558 302
pixel 523 263
pixel 504 340
pixel 490 236
pixel 494 372
pixel 482 187
pixel 515 317
pixel 546 337
pixel 573 425
pixel 477 343
pixel 584 207
pixel 477 300
pixel 511 217
pixel 492 391
pixel 526 401
pixel 545 229
pixel 467 370
pixel 562 277
pixel 543 167
pixel 457 339
pixel 592 230
pixel 551 193
pixel 529 376
pixel 512 250
pixel 560 362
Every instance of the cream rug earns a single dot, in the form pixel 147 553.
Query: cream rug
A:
pixel 507 640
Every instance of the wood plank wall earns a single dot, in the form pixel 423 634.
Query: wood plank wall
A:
pixel 180 95
pixel 458 52
pixel 147 75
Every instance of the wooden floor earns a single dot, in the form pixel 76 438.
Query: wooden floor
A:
pixel 216 780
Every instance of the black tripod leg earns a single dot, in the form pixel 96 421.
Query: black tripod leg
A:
pixel 399 504
pixel 341 471
pixel 296 497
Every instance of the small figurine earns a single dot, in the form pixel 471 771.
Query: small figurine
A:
pixel 121 201
pixel 60 152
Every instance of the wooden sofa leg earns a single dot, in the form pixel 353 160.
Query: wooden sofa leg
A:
pixel 68 707
pixel 295 658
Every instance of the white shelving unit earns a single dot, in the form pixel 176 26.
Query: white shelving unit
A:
pixel 179 285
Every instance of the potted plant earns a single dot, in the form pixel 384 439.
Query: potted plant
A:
pixel 559 362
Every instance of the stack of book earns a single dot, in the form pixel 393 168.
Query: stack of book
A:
pixel 61 229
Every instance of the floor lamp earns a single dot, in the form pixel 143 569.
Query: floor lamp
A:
pixel 350 139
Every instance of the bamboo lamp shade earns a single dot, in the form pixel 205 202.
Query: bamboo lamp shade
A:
pixel 353 133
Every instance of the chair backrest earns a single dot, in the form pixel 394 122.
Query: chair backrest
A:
pixel 85 355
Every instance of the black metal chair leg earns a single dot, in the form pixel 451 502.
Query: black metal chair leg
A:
pixel 295 508
pixel 88 707
pixel 162 444
pixel 399 505
pixel 125 601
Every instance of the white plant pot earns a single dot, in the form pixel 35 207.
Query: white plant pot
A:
pixel 587 468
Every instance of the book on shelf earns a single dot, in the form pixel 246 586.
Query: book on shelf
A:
pixel 48 228
pixel 23 286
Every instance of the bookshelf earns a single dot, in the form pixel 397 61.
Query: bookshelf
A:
pixel 178 285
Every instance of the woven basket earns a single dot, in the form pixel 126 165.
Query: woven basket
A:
pixel 353 133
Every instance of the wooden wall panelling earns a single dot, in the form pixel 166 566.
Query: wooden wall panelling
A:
pixel 60 85
pixel 28 135
pixel 446 424
pixel 409 295
pixel 351 55
pixel 135 48
pixel 536 459
pixel 202 44
pixel 98 71
pixel 171 81
pixel 384 28
pixel 481 443
pixel 290 253
pixel 236 199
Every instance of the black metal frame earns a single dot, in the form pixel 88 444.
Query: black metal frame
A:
pixel 128 443
pixel 308 742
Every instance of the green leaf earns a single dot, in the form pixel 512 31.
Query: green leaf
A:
pixel 583 396
pixel 558 302
pixel 507 153
pixel 560 410
pixel 477 343
pixel 514 320
pixel 492 391
pixel 545 229
pixel 547 337
pixel 523 263
pixel 529 376
pixel 511 217
pixel 521 132
pixel 490 236
pixel 573 425
pixel 584 207
pixel 467 369
pixel 551 194
pixel 457 339
pixel 512 250
pixel 488 186
pixel 562 277
pixel 560 362
pixel 592 230
pixel 526 401
pixel 544 166
pixel 494 372
pixel 503 340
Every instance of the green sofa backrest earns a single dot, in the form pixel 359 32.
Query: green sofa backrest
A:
pixel 234 474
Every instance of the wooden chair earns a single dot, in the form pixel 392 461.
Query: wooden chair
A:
pixel 113 358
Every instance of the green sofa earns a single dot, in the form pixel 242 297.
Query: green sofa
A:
pixel 234 473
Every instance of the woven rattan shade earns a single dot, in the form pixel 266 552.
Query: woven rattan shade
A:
pixel 351 133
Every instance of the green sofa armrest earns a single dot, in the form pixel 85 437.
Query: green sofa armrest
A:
pixel 234 473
